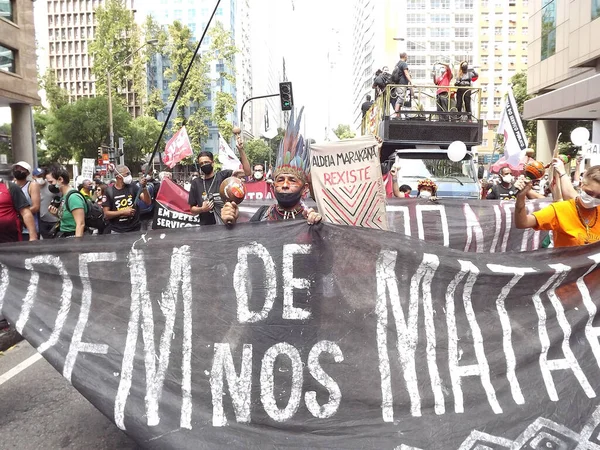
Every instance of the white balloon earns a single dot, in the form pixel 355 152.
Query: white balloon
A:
pixel 457 151
pixel 580 136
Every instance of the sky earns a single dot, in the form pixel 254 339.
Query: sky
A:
pixel 325 93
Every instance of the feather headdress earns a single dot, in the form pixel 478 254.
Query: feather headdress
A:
pixel 294 153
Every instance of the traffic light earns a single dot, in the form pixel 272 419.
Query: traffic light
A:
pixel 286 95
pixel 100 151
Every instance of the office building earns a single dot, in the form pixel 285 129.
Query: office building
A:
pixel 564 67
pixel 18 74
pixel 432 31
pixel 196 16
pixel 502 44
pixel 70 27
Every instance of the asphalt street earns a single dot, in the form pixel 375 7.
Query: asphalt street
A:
pixel 40 410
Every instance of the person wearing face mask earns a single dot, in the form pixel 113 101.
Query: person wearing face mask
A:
pixel 505 189
pixel 572 222
pixel 205 190
pixel 71 216
pixel 258 173
pixel 464 81
pixel 426 189
pixel 47 220
pixel 290 183
pixel 120 202
pixel 21 177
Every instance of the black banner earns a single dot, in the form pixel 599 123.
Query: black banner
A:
pixel 278 335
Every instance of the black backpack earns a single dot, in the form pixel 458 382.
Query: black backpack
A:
pixel 94 214
pixel 395 78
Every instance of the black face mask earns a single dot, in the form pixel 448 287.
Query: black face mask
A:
pixel 54 189
pixel 288 199
pixel 206 169
pixel 464 68
pixel 19 175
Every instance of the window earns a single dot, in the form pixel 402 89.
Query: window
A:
pixel 498 31
pixel 416 4
pixel 497 101
pixel 463 46
pixel 463 32
pixel 418 60
pixel 595 9
pixel 440 46
pixel 7 59
pixel 464 4
pixel 440 18
pixel 416 18
pixel 6 10
pixel 191 13
pixel 415 46
pixel 192 27
pixel 548 29
pixel 419 74
pixel 177 14
pixel 415 32
pixel 440 32
pixel 440 4
pixel 463 18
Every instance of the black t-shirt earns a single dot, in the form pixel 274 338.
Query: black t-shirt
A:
pixel 365 107
pixel 499 192
pixel 118 199
pixel 400 68
pixel 205 189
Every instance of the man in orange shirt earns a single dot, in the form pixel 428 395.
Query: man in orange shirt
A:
pixel 573 222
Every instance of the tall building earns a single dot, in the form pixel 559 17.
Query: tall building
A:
pixel 431 31
pixel 502 43
pixel 267 67
pixel 18 74
pixel 196 16
pixel 564 67
pixel 70 27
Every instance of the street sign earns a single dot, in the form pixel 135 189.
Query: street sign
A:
pixel 111 167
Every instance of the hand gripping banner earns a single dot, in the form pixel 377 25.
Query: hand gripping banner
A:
pixel 276 335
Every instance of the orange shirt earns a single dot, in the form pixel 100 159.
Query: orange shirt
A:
pixel 568 230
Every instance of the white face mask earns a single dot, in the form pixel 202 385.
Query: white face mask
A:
pixel 507 179
pixel 128 179
pixel 588 201
pixel 258 175
pixel 40 181
pixel 425 194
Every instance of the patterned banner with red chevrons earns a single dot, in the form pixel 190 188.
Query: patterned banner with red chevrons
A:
pixel 347 182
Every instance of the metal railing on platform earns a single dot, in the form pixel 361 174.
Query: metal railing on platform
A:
pixel 425 103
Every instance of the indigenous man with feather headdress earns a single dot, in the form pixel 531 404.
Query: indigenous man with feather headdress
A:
pixel 290 182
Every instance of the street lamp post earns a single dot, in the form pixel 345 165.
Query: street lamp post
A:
pixel 109 87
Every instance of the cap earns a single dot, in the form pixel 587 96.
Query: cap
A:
pixel 24 165
pixel 37 172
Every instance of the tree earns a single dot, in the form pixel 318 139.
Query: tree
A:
pixel 222 50
pixel 277 140
pixel 140 138
pixel 115 50
pixel 344 132
pixel 77 130
pixel 5 149
pixel 56 96
pixel 519 87
pixel 179 51
pixel 257 151
pixel 154 104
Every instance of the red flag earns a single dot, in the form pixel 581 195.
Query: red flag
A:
pixel 177 148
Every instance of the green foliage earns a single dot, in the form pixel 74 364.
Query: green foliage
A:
pixel 140 138
pixel 277 140
pixel 179 50
pixel 344 132
pixel 519 86
pixel 258 151
pixel 57 97
pixel 5 129
pixel 115 50
pixel 76 130
pixel 155 103
pixel 223 50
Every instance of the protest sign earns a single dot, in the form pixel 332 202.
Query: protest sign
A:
pixel 347 182
pixel 316 337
